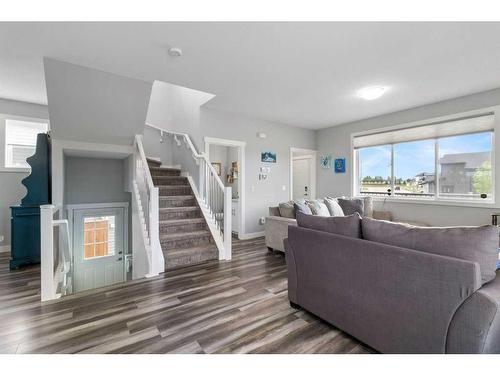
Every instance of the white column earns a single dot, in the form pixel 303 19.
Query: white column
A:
pixel 47 252
pixel 227 223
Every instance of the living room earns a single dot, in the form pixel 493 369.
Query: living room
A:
pixel 191 186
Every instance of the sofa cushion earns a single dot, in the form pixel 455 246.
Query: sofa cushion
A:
pixel 318 207
pixel 333 207
pixel 349 226
pixel 301 206
pixel 368 206
pixel 352 205
pixel 287 210
pixel 476 244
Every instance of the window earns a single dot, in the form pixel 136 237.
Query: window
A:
pixel 20 141
pixel 433 162
pixel 99 236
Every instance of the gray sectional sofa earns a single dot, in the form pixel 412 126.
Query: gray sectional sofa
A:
pixel 398 288
pixel 280 217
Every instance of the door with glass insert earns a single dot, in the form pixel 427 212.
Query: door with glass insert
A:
pixel 98 242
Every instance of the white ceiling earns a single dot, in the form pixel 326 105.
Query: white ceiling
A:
pixel 302 74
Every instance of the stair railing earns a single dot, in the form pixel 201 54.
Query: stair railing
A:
pixel 55 254
pixel 213 196
pixel 147 199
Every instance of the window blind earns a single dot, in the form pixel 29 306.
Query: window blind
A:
pixel 465 125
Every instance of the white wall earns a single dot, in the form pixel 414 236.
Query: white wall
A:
pixel 10 182
pixel 88 105
pixel 337 141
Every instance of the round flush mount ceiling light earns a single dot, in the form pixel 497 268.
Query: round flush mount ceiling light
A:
pixel 175 52
pixel 372 92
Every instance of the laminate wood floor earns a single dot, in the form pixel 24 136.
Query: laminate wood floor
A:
pixel 216 307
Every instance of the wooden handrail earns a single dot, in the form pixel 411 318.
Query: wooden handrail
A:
pixel 196 154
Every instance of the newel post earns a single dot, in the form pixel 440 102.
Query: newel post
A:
pixel 47 252
pixel 227 223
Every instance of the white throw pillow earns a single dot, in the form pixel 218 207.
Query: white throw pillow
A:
pixel 333 207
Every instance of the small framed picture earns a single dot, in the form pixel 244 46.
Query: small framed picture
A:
pixel 268 157
pixel 326 161
pixel 339 165
pixel 217 167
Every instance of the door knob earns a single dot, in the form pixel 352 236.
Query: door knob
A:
pixel 120 258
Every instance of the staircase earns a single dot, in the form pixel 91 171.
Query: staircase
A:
pixel 184 235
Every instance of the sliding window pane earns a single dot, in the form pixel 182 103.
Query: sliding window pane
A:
pixel 375 170
pixel 465 166
pixel 414 174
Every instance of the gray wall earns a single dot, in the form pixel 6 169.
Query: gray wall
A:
pixel 10 182
pixel 88 105
pixel 89 180
pixel 154 149
pixel 259 194
pixel 337 141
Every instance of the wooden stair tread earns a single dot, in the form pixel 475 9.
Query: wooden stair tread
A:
pixel 184 235
pixel 176 197
pixel 174 186
pixel 191 250
pixel 182 221
pixel 165 169
pixel 179 209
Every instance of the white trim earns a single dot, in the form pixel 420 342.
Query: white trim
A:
pixel 5 249
pixel 241 173
pixel 313 154
pixel 14 170
pixel 82 206
pixel 250 236
pixel 436 200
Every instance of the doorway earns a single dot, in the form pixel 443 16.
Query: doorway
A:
pixel 302 174
pixel 99 246
pixel 228 157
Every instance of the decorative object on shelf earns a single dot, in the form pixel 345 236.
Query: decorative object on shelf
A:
pixel 339 165
pixel 268 157
pixel 218 168
pixel 325 161
pixel 233 173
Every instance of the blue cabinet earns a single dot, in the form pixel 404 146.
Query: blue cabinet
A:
pixel 25 236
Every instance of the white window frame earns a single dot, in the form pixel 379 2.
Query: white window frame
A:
pixel 3 138
pixel 436 200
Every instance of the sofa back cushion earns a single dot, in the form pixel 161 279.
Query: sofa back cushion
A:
pixel 301 206
pixel 349 226
pixel 333 207
pixel 352 205
pixel 476 244
pixel 274 211
pixel 318 207
pixel 287 210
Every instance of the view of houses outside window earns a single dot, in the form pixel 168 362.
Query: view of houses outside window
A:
pixel 463 168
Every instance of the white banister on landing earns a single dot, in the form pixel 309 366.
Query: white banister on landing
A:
pixel 213 197
pixel 55 254
pixel 146 197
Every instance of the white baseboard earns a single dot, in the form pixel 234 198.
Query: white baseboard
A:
pixel 5 249
pixel 250 236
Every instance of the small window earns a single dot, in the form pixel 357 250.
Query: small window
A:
pixel 99 237
pixel 20 141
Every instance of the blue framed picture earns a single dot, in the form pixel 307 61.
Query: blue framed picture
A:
pixel 268 157
pixel 339 165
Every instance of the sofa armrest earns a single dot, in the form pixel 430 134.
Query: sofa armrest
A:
pixel 394 299
pixel 475 328
pixel 382 215
pixel 277 230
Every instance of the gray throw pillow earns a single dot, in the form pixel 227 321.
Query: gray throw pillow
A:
pixel 368 206
pixel 318 208
pixel 476 244
pixel 352 205
pixel 301 206
pixel 349 226
pixel 287 210
pixel 333 206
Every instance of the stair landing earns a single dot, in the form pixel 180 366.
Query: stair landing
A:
pixel 184 235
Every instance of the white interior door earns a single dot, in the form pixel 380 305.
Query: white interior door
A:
pixel 98 247
pixel 302 178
